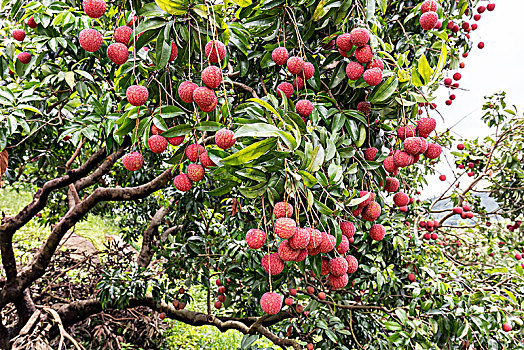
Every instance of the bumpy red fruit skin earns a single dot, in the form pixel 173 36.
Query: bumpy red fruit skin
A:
pixel 315 238
pixel 94 8
pixel 118 53
pixel 285 87
pixel 302 255
pixel 283 210
pixel 212 77
pixel 364 54
pixel 309 70
pixel 429 5
pixel 193 151
pixel 182 183
pixel 354 70
pixel 460 146
pixel 19 34
pixel 425 126
pixel 285 228
pixel 338 282
pixel 225 138
pixel 271 303
pixel 133 161
pixel 373 76
pixel 280 55
pixel 295 65
pixel 343 246
pixel 401 199
pixel 186 90
pixel 338 266
pixel 328 243
pixel 344 42
pixel 359 37
pixel 369 199
pixel 428 20
pixel 298 83
pixel 277 264
pixel 406 131
pixel 457 76
pixel 137 95
pixel 175 141
pixel 413 145
pixel 352 264
pixel 206 161
pixel 122 35
pixel 286 252
pixel 304 108
pixel 90 40
pixel 204 96
pixel 212 48
pixel 288 301
pixel 300 239
pixel 347 228
pixel 31 22
pixel 377 232
pixel 371 212
pixel 157 144
pixel 364 107
pixel 255 238
pixel 402 159
pixel 434 150
pixel 370 153
pixel 24 57
pixel 195 172
pixel 392 184
pixel 389 165
pixel 376 63
pixel 217 304
pixel 490 7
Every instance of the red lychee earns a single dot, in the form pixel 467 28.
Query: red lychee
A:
pixel 411 277
pixel 215 51
pixel 283 210
pixel 506 327
pixel 354 70
pixel 193 151
pixel 212 77
pixel 347 228
pixel 225 138
pixel 428 20
pixel 174 52
pixel 24 57
pixel 288 301
pixel 338 282
pixel 137 95
pixel 94 8
pixel 457 76
pixel 429 5
pixel 401 199
pixel 277 264
pixel 19 34
pixel 338 266
pixel 359 37
pixel 122 35
pixel 371 212
pixel 271 303
pixel 195 172
pixel 369 199
pixel 280 55
pixel 182 183
pixel 490 7
pixel 364 54
pixel 433 151
pixel 300 239
pixel 414 145
pixel 392 184
pixel 286 252
pixel 295 65
pixel 344 42
pixel 389 165
pixel 328 243
pixel 255 238
pixel 302 255
pixel 157 144
pixel 442 177
pixel 286 88
pixel 298 83
pixel 186 90
pixel 133 161
pixel 425 126
pixel 370 153
pixel 406 131
pixel 377 232
pixel 90 40
pixel 343 246
pixel 402 159
pixel 460 146
pixel 373 76
pixel 31 22
pixel 309 70
pixel 175 141
pixel 206 161
pixel 352 263
pixel 481 9
pixel 118 53
pixel 304 108
pixel 285 228
pixel 315 238
pixel 364 107
pixel 217 304
pixel 204 97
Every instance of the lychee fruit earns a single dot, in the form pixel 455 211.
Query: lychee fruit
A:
pixel 490 7
pixel 304 108
pixel 371 212
pixel 215 51
pixel 277 264
pixel 364 107
pixel 425 126
pixel 460 146
pixel 225 138
pixel 286 252
pixel 19 34
pixel 414 145
pixel 206 161
pixel 204 97
pixel 24 57
pixel 442 177
pixel 133 161
pixel 406 131
pixel 212 77
pixel 295 65
pixel 428 20
pixel 118 53
pixel 401 199
pixel 433 151
pixel 271 303
pixel 186 90
pixel 283 210
pixel 481 9
pixel 392 184
pixel 288 301
pixel 286 88
pixel 364 54
pixel 122 35
pixel 175 141
pixel 354 70
pixel 195 172
pixel 255 238
pixel 338 266
pixel 359 37
pixel 137 95
pixel 429 5
pixel 217 304
pixel 352 263
pixel 31 22
pixel 338 282
pixel 402 159
pixel 300 239
pixel 370 153
pixel 309 70
pixel 285 227
pixel 193 151
pixel 373 76
pixel 506 327
pixel 480 45
pixel 377 232
pixel 280 55
pixel 343 246
pixel 376 63
pixel 347 228
pixel 298 83
pixel 174 52
pixel 94 8
pixel 328 243
pixel 157 144
pixel 389 165
pixel 457 76
pixel 344 42
pixel 370 198
pixel 411 277
pixel 315 238
pixel 182 183
pixel 90 40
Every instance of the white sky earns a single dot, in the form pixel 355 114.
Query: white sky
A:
pixel 497 67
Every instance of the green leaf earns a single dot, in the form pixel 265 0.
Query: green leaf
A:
pixel 243 3
pixel 424 69
pixel 251 152
pixel 70 79
pixel 322 208
pixel 317 159
pixel 174 7
pixel 441 61
pixel 319 11
pixel 265 105
pixel 209 126
pixel 383 5
pixel 384 90
pixel 163 47
pixel 179 130
pixel 370 9
pixel 309 180
pixel 257 130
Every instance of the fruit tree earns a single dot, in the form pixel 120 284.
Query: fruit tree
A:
pixel 270 152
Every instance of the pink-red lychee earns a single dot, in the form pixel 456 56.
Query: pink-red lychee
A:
pixel 295 65
pixel 338 266
pixel 347 228
pixel 133 161
pixel 94 8
pixel 122 35
pixel 300 239
pixel 280 55
pixel 428 20
pixel 328 243
pixel 193 151
pixel 304 108
pixel 186 90
pixel 137 95
pixel 352 264
pixel 274 263
pixel 429 5
pixel 371 212
pixel 425 126
pixel 90 40
pixel 401 199
pixel 271 303
pixel 285 227
pixel 174 52
pixel 225 138
pixel 364 54
pixel 215 51
pixel 373 76
pixel 255 238
pixel 286 88
pixel 370 153
pixel 344 42
pixel 359 36
pixel 19 34
pixel 31 22
pixel 24 57
pixel 206 161
pixel 286 252
pixel 283 210
pixel 118 53
pixel 182 183
pixel 157 144
pixel 195 172
pixel 377 232
pixel 338 282
pixel 354 70
pixel 434 150
pixel 204 97
pixel 212 77
pixel 392 184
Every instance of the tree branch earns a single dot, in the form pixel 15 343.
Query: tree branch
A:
pixel 146 253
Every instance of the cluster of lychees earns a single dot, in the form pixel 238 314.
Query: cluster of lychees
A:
pixel 470 165
pixel 303 71
pixel 356 44
pixel 19 35
pixel 515 225
pixel 464 211
pixel 430 226
pixel 221 298
pixel 429 16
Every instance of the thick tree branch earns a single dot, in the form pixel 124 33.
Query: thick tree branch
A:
pixel 146 253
